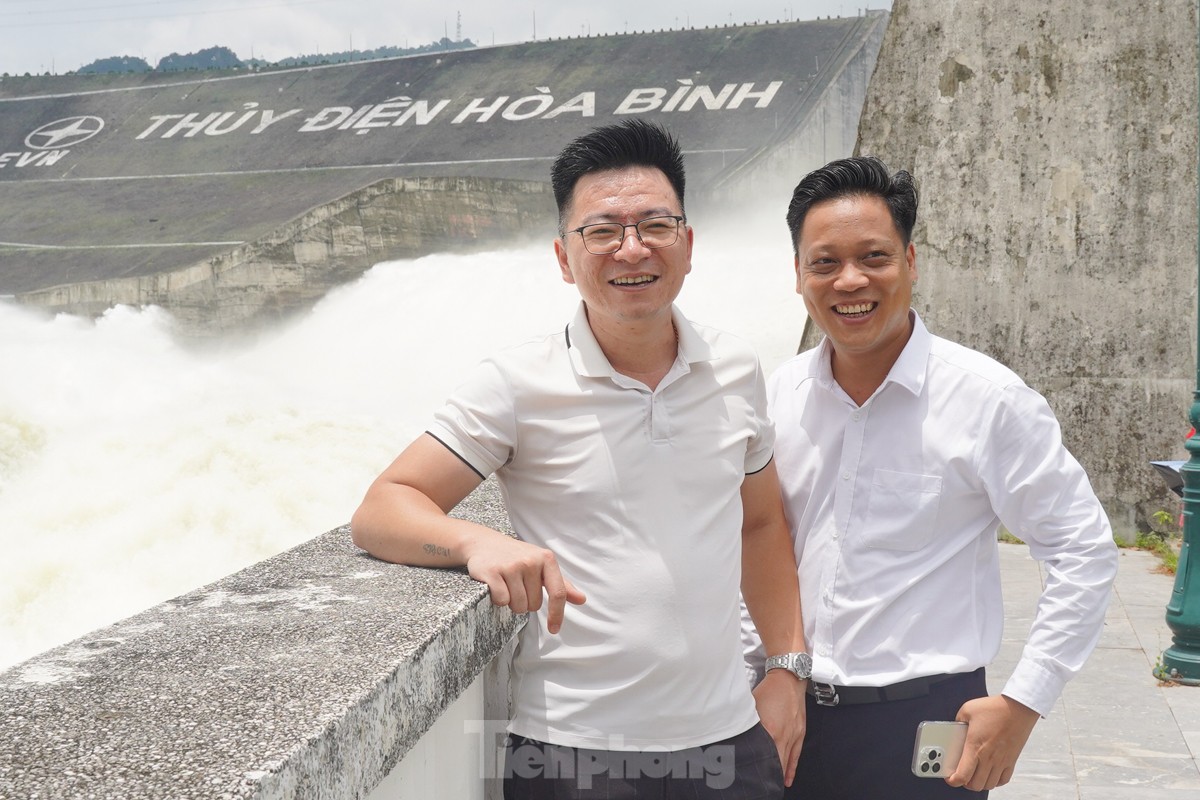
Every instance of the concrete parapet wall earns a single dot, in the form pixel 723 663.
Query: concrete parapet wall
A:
pixel 1055 150
pixel 308 675
pixel 298 263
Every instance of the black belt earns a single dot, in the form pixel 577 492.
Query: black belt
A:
pixel 827 694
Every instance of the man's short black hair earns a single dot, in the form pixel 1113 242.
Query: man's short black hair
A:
pixel 633 143
pixel 850 177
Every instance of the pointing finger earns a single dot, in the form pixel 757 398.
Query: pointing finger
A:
pixel 556 593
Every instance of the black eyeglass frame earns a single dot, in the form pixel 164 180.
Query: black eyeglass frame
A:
pixel 679 220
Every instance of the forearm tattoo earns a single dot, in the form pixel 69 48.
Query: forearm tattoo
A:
pixel 434 550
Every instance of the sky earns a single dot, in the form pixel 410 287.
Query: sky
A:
pixel 59 36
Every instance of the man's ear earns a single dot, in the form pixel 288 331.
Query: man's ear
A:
pixel 560 252
pixel 690 234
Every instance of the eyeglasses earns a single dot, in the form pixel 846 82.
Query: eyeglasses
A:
pixel 604 238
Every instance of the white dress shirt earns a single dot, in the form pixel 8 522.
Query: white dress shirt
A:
pixel 894 508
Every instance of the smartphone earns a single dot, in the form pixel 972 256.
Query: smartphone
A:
pixel 939 746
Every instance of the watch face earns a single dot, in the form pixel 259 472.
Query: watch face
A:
pixel 798 663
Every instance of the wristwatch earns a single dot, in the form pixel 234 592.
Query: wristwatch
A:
pixel 799 664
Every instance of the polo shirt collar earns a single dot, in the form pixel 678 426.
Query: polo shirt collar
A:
pixel 589 360
pixel 909 370
pixel 693 349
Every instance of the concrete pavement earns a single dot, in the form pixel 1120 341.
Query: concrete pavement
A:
pixel 1116 733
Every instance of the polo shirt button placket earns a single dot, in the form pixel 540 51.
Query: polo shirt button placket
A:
pixel 658 427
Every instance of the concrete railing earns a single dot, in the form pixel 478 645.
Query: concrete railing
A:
pixel 319 673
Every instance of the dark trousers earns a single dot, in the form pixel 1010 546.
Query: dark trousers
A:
pixel 864 752
pixel 742 767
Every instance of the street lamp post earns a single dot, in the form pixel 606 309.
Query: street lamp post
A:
pixel 1181 661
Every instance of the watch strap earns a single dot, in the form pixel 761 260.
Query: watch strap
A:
pixel 799 664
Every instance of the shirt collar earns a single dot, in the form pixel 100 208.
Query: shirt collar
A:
pixel 589 360
pixel 909 370
pixel 913 364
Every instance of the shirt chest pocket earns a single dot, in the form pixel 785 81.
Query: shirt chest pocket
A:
pixel 902 510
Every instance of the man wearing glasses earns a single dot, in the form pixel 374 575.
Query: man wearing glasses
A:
pixel 635 456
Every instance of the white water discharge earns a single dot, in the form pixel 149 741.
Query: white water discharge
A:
pixel 133 470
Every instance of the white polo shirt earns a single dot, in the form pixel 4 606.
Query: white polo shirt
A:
pixel 894 508
pixel 637 493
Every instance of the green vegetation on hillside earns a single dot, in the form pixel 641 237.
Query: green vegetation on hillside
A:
pixel 223 58
pixel 117 64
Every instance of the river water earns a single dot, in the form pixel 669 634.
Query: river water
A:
pixel 133 469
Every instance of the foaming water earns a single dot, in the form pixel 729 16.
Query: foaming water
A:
pixel 132 469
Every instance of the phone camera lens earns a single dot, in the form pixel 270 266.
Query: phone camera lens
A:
pixel 924 766
pixel 937 768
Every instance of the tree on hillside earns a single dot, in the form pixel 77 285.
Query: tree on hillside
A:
pixel 224 58
pixel 208 58
pixel 378 52
pixel 115 64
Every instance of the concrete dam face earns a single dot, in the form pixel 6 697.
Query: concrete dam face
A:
pixel 1056 157
pixel 234 198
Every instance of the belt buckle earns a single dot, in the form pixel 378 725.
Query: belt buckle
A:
pixel 825 694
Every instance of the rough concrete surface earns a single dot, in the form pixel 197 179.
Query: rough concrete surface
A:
pixel 1117 733
pixel 295 265
pixel 1055 150
pixel 307 675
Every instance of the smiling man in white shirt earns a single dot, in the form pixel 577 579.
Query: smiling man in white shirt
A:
pixel 634 452
pixel 900 454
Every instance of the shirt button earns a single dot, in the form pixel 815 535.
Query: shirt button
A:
pixel 835 534
pixel 845 476
pixel 857 415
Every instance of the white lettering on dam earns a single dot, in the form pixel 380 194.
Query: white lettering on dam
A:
pixel 216 123
pixel 44 158
pixel 686 97
pixel 397 112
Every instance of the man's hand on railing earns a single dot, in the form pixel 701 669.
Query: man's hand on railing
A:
pixel 516 574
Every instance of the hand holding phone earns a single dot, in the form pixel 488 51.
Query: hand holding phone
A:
pixel 938 748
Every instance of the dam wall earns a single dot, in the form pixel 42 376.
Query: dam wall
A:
pixel 290 268
pixel 206 193
pixel 1055 153
pixel 821 126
